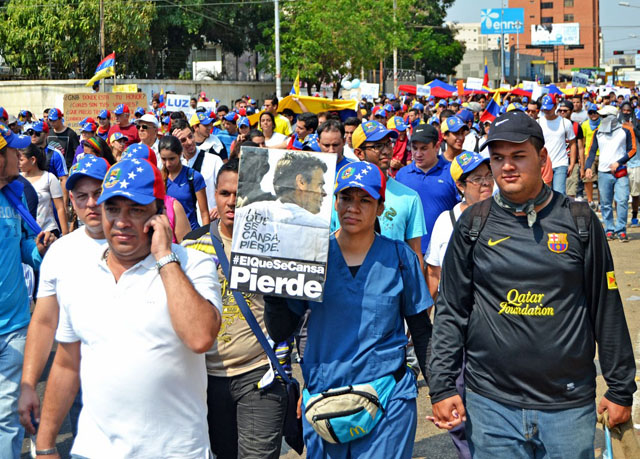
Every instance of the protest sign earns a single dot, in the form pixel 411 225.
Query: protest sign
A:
pixel 281 226
pixel 369 91
pixel 210 106
pixel 77 107
pixel 528 85
pixel 177 103
pixel 474 83
pixel 423 90
pixel 124 88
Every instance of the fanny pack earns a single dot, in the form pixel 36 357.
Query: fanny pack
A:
pixel 620 172
pixel 347 413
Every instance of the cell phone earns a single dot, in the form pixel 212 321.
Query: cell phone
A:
pixel 158 212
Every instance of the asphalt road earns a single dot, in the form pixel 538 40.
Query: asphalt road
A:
pixel 434 443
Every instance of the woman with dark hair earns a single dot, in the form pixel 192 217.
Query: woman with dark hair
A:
pixel 32 164
pixel 182 182
pixel 96 146
pixel 267 125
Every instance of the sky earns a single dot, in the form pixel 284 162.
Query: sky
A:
pixel 616 22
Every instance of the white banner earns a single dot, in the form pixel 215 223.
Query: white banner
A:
pixel 474 83
pixel 528 85
pixel 423 90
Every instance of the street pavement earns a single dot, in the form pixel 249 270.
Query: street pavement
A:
pixel 435 443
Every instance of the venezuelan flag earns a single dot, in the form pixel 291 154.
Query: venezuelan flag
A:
pixel 491 112
pixel 295 89
pixel 485 79
pixel 106 68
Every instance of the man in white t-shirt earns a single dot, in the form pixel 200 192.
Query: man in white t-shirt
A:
pixel 84 186
pixel 558 136
pixel 134 328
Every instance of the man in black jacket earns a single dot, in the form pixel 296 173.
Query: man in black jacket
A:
pixel 528 289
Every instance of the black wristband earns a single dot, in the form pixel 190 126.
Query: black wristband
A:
pixel 46 452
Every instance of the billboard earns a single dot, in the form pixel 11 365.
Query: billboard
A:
pixel 555 34
pixel 502 20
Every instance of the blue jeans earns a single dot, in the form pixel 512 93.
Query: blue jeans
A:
pixel 559 183
pixel 610 189
pixel 496 430
pixel 11 358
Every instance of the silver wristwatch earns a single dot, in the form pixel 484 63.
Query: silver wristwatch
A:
pixel 171 258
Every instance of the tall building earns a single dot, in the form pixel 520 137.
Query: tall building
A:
pixel 584 12
pixel 469 34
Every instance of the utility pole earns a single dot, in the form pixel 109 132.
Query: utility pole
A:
pixel 395 53
pixel 101 29
pixel 502 44
pixel 277 26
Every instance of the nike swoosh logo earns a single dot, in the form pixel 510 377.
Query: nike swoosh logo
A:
pixel 500 122
pixel 492 243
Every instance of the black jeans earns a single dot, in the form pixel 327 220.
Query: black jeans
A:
pixel 244 421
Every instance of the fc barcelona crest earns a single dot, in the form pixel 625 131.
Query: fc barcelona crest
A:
pixel 558 242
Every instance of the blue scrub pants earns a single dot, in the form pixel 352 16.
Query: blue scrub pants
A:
pixel 392 437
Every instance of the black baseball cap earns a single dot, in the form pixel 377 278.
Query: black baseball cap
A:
pixel 424 133
pixel 515 126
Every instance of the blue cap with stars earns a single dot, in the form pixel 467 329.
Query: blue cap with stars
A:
pixel 140 151
pixel 88 166
pixel 134 179
pixel 363 175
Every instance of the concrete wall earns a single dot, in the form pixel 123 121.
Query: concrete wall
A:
pixel 36 95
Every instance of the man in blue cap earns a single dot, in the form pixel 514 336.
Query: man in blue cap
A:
pixel 138 345
pixel 230 132
pixel 56 273
pixel 558 137
pixel 454 132
pixel 22 241
pixel 62 134
pixel 129 130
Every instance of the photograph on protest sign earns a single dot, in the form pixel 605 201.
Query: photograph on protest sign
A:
pixel 281 225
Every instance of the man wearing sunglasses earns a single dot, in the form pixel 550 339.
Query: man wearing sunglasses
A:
pixel 123 125
pixel 147 126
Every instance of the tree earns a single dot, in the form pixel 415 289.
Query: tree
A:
pixel 61 37
pixel 330 39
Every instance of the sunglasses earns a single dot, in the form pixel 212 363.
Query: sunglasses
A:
pixel 564 110
pixel 32 132
pixel 144 127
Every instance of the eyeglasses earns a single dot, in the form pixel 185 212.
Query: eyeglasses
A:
pixel 143 127
pixel 563 110
pixel 478 181
pixel 379 147
pixel 32 132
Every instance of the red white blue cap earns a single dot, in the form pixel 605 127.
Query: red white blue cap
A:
pixel 139 111
pixel 134 179
pixel 363 175
pixel 547 103
pixel 55 114
pixel 89 127
pixel 40 126
pixel 87 166
pixel 14 140
pixel 243 121
pixel 140 151
pixel 120 109
pixel 3 113
pixel 104 114
pixel 231 116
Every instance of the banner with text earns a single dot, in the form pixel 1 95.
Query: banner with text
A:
pixel 77 107
pixel 281 224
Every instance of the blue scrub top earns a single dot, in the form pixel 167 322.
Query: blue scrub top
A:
pixel 436 189
pixel 179 189
pixel 356 334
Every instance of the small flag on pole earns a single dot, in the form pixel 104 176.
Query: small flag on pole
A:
pixel 295 89
pixel 106 68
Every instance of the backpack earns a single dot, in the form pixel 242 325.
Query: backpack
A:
pixel 580 212
pixel 192 188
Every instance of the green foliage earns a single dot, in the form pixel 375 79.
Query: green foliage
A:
pixel 64 34
pixel 326 40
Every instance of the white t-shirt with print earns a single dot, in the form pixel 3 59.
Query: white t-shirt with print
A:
pixel 440 236
pixel 557 133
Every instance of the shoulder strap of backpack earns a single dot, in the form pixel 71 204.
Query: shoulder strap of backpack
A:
pixel 192 187
pixel 479 213
pixel 452 216
pixel 197 165
pixel 582 216
pixel 49 156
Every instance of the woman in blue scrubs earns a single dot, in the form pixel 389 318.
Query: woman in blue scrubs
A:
pixel 356 334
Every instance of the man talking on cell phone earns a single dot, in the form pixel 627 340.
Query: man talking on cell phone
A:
pixel 136 338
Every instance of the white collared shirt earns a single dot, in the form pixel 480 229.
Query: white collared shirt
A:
pixel 210 167
pixel 144 391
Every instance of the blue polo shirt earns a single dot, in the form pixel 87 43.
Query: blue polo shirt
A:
pixel 180 190
pixel 226 138
pixel 436 189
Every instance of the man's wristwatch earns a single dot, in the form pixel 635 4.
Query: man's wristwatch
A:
pixel 171 258
pixel 47 452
